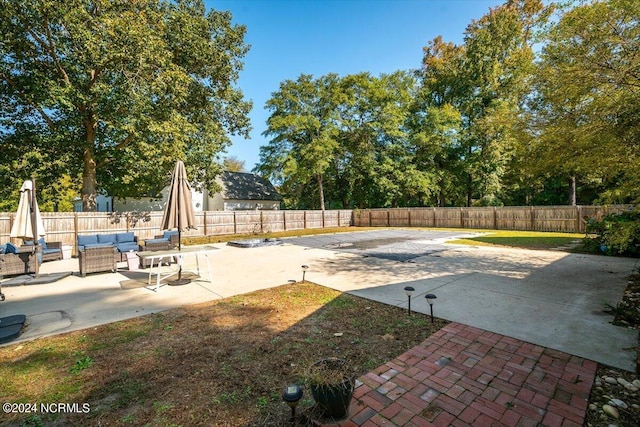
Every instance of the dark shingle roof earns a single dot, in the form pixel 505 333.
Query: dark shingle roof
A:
pixel 246 186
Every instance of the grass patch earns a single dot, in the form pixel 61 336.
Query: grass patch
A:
pixel 523 239
pixel 219 363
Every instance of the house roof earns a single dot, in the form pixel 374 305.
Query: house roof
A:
pixel 246 186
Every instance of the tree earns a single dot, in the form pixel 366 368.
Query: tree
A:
pixel 233 164
pixel 485 80
pixel 586 112
pixel 116 91
pixel 303 124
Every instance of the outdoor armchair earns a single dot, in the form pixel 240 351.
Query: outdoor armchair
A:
pixel 16 261
pixel 99 259
pixel 48 251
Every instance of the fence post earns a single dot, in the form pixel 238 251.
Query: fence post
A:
pixel 495 218
pixel 75 232
pixel 409 216
pixel 261 222
pixel 204 215
pixel 304 219
pixel 435 218
pixel 235 223
pixel 284 220
pixel 323 218
pixel 461 218
pixel 388 217
pixel 533 219
pixel 579 219
pixel 370 225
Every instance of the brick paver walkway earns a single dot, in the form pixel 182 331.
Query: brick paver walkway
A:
pixel 465 376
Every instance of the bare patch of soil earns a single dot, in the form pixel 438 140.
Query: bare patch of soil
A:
pixel 224 363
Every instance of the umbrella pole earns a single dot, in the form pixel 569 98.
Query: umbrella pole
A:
pixel 34 226
pixel 180 280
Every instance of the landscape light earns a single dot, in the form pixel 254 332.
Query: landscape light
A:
pixel 409 290
pixel 304 271
pixel 292 395
pixel 431 299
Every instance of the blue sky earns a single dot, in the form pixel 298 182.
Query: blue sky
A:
pixel 318 37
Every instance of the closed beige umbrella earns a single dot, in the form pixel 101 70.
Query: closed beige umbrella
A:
pixel 28 223
pixel 178 212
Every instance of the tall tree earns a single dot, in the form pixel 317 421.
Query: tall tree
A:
pixel 485 80
pixel 117 90
pixel 587 104
pixel 303 127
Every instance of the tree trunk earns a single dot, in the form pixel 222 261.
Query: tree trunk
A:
pixel 442 202
pixel 572 190
pixel 469 190
pixel 89 179
pixel 321 188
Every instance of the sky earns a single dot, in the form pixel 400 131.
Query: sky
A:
pixel 293 37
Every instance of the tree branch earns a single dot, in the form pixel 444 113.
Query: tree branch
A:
pixel 52 52
pixel 24 97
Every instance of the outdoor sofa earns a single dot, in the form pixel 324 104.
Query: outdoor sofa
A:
pixel 16 260
pixel 122 242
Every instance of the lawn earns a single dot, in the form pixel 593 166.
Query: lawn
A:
pixel 523 239
pixel 219 363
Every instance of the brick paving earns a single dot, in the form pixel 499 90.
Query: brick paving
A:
pixel 465 376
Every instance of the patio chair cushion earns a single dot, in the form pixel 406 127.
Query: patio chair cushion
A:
pixel 155 241
pixel 11 248
pixel 2 248
pixel 42 243
pixel 107 238
pixel 87 240
pixel 127 246
pixel 125 237
pixel 168 233
pixel 99 245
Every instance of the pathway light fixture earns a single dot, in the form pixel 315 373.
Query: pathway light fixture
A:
pixel 292 395
pixel 431 299
pixel 409 291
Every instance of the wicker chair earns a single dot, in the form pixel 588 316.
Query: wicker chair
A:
pixel 94 260
pixel 174 239
pixel 23 262
pixel 52 253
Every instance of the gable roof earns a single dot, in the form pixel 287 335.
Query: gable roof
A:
pixel 246 186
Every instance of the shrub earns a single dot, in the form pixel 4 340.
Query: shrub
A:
pixel 617 234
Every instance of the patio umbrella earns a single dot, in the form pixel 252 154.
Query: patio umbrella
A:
pixel 178 212
pixel 28 223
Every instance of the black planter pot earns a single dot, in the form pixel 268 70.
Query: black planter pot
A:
pixel 333 399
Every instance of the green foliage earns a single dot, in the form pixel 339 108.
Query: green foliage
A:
pixel 81 364
pixel 617 234
pixel 584 120
pixel 87 93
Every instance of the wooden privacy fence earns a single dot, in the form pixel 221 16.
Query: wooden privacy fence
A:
pixel 66 226
pixel 569 219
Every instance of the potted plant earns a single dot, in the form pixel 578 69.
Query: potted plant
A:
pixel 331 383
